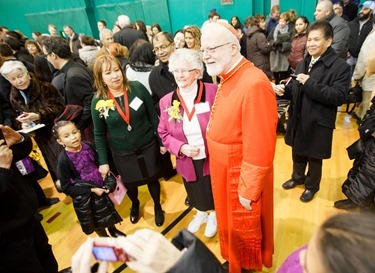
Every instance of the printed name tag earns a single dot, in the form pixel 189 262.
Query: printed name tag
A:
pixel 203 107
pixel 136 103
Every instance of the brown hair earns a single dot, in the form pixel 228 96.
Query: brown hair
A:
pixel 58 125
pixel 108 61
pixel 118 50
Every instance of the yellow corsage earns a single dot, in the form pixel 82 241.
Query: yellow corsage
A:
pixel 103 106
pixel 174 111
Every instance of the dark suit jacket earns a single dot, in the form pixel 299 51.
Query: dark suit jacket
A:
pixel 127 36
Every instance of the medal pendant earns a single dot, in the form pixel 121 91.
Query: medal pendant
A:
pixel 129 127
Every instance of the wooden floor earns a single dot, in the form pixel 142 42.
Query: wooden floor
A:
pixel 294 221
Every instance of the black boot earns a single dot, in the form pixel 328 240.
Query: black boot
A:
pixel 134 213
pixel 115 232
pixel 101 232
pixel 159 216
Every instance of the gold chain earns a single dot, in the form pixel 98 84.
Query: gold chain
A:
pixel 222 81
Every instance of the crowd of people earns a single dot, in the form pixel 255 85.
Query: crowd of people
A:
pixel 124 104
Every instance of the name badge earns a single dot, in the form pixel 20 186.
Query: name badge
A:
pixel 136 103
pixel 202 107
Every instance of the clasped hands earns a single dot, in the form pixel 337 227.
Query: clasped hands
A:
pixel 189 151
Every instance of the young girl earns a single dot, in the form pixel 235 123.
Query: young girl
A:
pixel 80 178
pixel 298 47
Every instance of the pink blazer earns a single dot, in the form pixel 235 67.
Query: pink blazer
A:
pixel 173 137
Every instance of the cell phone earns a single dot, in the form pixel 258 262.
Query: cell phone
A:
pixel 2 137
pixel 294 76
pixel 106 251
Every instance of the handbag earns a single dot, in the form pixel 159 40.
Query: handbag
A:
pixel 119 192
pixel 354 96
pixel 355 149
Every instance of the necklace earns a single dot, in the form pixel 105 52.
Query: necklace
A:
pixel 218 93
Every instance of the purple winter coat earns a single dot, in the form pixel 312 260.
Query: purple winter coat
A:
pixel 173 137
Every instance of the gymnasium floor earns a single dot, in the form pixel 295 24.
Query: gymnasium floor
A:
pixel 294 221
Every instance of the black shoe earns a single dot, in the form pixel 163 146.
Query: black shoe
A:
pixel 101 232
pixel 49 202
pixel 307 195
pixel 115 232
pixel 290 184
pixel 159 216
pixel 170 175
pixel 38 217
pixel 345 204
pixel 187 201
pixel 134 214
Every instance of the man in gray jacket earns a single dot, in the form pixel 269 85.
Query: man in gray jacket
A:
pixel 341 31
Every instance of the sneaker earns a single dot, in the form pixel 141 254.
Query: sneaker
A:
pixel 199 219
pixel 211 227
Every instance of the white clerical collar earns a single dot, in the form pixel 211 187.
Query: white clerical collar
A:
pixel 235 64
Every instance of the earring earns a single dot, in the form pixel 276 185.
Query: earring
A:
pixel 104 84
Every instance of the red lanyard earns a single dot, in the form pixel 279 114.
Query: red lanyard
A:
pixel 191 114
pixel 125 116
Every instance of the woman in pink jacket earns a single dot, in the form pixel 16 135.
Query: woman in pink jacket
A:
pixel 183 121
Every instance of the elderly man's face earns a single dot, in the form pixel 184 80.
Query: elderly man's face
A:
pixel 216 52
pixel 316 43
pixel 107 39
pixel 163 48
pixel 321 12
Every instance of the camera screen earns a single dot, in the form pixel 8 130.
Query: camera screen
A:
pixel 104 253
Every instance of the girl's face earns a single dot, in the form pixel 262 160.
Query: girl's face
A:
pixel 189 40
pixel 112 76
pixel 282 22
pixel 155 30
pixel 300 25
pixel 70 137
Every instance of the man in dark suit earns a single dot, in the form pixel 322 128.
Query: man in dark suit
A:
pixel 320 87
pixel 127 35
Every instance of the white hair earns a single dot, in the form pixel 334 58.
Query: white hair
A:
pixel 10 66
pixel 191 56
pixel 221 31
pixel 103 32
pixel 123 21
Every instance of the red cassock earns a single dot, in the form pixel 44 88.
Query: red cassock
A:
pixel 241 140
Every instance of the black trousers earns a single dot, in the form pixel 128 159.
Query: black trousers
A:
pixel 167 165
pixel 27 251
pixel 314 173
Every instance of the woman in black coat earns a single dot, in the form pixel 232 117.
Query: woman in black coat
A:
pixel 320 87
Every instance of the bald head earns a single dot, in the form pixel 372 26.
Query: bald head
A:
pixel 123 21
pixel 323 10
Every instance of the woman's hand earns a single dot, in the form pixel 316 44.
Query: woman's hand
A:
pixel 28 117
pixel 163 150
pixel 189 150
pixel 104 170
pixel 82 259
pixel 279 89
pixel 99 191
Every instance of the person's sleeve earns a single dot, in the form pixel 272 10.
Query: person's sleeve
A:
pixel 150 110
pixel 100 134
pixel 54 104
pixel 83 90
pixel 341 37
pixel 263 45
pixel 334 94
pixel 196 257
pixel 172 144
pixel 259 120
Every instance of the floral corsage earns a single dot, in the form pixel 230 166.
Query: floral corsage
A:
pixel 103 106
pixel 174 111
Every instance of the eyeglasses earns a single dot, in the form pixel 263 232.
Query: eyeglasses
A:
pixel 182 71
pixel 161 48
pixel 211 50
